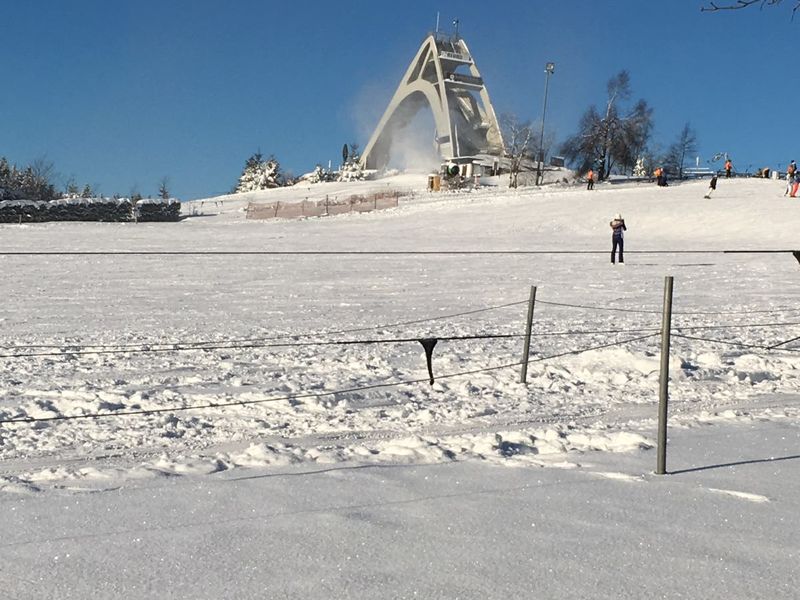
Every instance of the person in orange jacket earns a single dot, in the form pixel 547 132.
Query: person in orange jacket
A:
pixel 590 180
pixel 728 167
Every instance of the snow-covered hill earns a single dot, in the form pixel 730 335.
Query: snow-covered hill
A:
pixel 225 366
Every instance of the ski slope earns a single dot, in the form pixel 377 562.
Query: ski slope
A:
pixel 133 386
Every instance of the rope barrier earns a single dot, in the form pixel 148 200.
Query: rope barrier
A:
pixel 302 396
pixel 365 252
pixel 731 343
pixel 70 351
pixel 658 312
pixel 789 341
pixel 280 337
pixel 599 308
pixel 144 350
pixel 742 326
pixel 147 348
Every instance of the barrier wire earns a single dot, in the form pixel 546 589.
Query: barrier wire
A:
pixel 303 396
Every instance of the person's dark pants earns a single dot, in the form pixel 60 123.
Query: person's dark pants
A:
pixel 616 242
pixel 727 173
pixel 590 184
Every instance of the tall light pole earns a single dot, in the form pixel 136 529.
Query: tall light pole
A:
pixel 549 69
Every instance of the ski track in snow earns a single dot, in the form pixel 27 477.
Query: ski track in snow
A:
pixel 600 400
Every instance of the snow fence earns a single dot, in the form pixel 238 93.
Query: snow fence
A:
pixel 326 207
pixel 89 209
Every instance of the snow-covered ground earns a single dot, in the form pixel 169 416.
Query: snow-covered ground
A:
pixel 324 475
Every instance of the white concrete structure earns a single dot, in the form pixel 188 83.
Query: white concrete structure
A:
pixel 443 75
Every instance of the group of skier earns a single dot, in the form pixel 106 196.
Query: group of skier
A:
pixel 618 226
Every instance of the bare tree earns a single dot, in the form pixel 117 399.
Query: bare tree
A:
pixel 519 139
pixel 684 146
pixel 634 133
pixel 613 136
pixel 43 169
pixel 739 4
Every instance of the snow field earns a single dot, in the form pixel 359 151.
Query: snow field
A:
pixel 573 403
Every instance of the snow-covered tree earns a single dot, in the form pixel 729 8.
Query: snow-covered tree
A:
pixel 259 174
pixel 351 169
pixel 7 177
pixel 71 189
pixel 639 170
pixel 30 183
pixel 518 138
pixel 318 175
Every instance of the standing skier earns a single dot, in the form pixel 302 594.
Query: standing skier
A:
pixel 712 185
pixel 795 185
pixel 728 168
pixel 590 180
pixel 791 170
pixel 617 234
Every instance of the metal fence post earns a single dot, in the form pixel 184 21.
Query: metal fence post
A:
pixel 523 377
pixel 663 380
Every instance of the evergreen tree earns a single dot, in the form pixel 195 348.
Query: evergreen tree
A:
pixel 30 183
pixel 87 191
pixel 260 174
pixel 163 188
pixel 319 175
pixel 351 169
pixel 6 179
pixel 71 190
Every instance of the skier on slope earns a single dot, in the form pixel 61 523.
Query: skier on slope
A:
pixel 712 185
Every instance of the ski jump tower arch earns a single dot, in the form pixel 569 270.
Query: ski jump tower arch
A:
pixel 466 124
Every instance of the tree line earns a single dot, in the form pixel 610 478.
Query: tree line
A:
pixel 614 138
pixel 37 181
pixel 618 138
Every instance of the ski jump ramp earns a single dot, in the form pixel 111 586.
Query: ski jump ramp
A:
pixel 443 75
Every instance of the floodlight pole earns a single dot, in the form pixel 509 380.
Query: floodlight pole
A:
pixel 549 69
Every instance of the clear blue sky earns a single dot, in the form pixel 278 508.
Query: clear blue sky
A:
pixel 119 94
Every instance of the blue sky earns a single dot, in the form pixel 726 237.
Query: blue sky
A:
pixel 120 94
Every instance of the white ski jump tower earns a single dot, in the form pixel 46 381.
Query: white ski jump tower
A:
pixel 444 76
